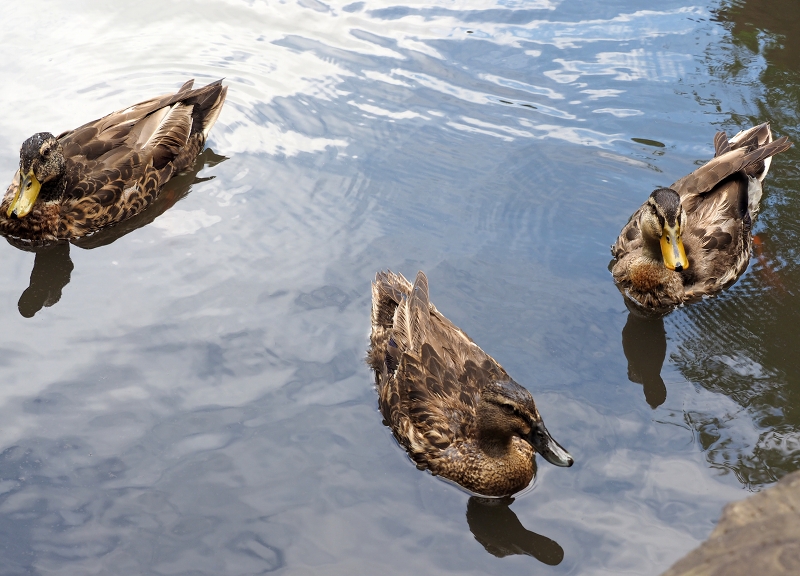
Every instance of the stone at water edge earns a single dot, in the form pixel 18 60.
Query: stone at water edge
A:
pixel 757 536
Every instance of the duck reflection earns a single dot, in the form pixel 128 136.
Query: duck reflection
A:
pixel 644 341
pixel 496 526
pixel 52 265
pixel 51 270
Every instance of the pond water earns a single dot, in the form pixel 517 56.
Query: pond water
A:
pixel 187 394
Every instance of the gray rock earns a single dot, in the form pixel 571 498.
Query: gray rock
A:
pixel 757 536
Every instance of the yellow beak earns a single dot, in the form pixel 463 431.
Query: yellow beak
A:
pixel 25 197
pixel 672 249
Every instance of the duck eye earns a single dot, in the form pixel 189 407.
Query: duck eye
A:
pixel 507 408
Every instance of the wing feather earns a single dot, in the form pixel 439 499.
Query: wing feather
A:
pixel 721 144
pixel 705 178
pixel 171 136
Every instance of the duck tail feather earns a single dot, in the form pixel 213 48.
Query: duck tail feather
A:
pixel 211 115
pixel 419 310
pixel 390 294
pixel 721 144
pixel 383 301
pixel 756 163
pixel 412 316
pixel 186 86
pixel 752 137
pixel 171 135
pixel 401 327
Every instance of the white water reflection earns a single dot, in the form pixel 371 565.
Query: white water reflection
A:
pixel 181 222
pixel 625 67
pixel 270 139
pixel 642 24
pixel 618 112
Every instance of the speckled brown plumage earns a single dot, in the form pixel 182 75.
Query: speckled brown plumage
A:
pixel 448 403
pixel 114 166
pixel 720 200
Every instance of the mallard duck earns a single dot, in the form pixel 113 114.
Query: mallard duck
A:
pixel 107 170
pixel 448 403
pixel 693 239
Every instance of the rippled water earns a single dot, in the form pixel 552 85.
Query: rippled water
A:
pixel 187 394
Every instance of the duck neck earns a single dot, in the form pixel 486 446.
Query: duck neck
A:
pixel 494 445
pixel 54 189
pixel 648 272
pixel 651 251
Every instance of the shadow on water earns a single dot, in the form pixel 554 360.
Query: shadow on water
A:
pixel 644 341
pixel 52 265
pixel 499 530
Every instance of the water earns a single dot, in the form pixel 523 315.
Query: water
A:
pixel 187 395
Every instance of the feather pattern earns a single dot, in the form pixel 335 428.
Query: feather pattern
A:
pixel 431 379
pixel 720 200
pixel 115 166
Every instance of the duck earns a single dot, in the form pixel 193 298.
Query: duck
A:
pixel 454 409
pixel 693 239
pixel 108 170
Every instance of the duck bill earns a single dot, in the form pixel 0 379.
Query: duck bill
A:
pixel 549 449
pixel 25 197
pixel 672 250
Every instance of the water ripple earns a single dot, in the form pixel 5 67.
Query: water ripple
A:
pixel 191 397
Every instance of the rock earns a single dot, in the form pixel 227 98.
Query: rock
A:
pixel 757 536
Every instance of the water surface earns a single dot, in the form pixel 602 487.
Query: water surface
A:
pixel 187 395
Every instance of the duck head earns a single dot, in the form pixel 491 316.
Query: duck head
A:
pixel 662 222
pixel 41 160
pixel 507 409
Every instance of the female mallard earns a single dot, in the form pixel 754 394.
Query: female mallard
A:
pixel 451 405
pixel 107 170
pixel 693 239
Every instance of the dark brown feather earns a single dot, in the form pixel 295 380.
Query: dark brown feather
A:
pixel 116 166
pixel 428 396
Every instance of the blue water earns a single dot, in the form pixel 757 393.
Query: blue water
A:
pixel 189 396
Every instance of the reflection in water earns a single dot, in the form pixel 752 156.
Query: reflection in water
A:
pixel 741 347
pixel 496 526
pixel 51 269
pixel 644 342
pixel 218 419
pixel 52 266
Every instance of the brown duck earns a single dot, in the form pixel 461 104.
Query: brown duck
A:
pixel 107 170
pixel 448 403
pixel 693 239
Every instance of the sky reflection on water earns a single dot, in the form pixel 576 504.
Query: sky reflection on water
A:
pixel 196 402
